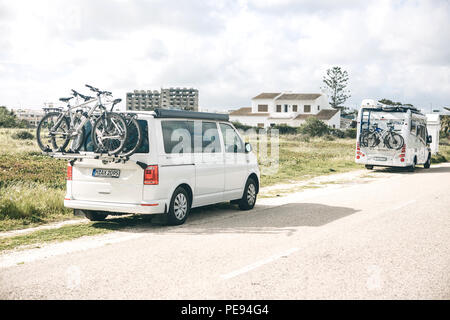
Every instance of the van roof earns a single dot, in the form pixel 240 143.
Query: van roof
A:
pixel 168 113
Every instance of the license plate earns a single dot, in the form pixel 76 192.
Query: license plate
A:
pixel 106 173
pixel 380 158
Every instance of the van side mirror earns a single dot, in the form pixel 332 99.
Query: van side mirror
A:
pixel 429 139
pixel 248 147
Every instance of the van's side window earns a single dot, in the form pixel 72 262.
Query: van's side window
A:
pixel 413 127
pixel 177 136
pixel 232 141
pixel 210 137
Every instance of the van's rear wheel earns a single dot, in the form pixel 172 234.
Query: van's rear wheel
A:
pixel 412 167
pixel 427 164
pixel 249 198
pixel 95 215
pixel 369 167
pixel 180 205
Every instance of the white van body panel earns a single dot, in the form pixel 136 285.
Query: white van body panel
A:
pixel 210 177
pixel 417 149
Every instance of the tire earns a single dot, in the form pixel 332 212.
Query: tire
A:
pixel 412 167
pixel 372 140
pixel 249 198
pixel 108 125
pixel 427 164
pixel 77 142
pixel 369 167
pixel 180 206
pixel 134 137
pixel 95 215
pixel 394 141
pixel 49 143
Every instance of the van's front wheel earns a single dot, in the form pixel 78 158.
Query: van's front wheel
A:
pixel 179 207
pixel 249 198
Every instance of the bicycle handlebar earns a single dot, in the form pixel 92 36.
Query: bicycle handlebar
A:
pixel 98 91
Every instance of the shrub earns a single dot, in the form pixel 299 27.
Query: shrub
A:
pixel 314 127
pixel 8 119
pixel 241 126
pixel 23 135
pixel 337 133
pixel 285 129
pixel 350 133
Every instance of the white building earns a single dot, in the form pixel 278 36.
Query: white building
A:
pixel 292 109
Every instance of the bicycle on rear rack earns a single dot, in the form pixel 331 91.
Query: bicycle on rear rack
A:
pixel 56 129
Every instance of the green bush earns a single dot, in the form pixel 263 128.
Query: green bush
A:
pixel 241 126
pixel 8 119
pixel 23 135
pixel 314 127
pixel 337 133
pixel 350 133
pixel 284 129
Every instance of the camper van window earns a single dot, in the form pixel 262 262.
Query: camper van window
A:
pixel 413 127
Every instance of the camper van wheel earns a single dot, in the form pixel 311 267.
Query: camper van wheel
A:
pixel 95 215
pixel 180 206
pixel 412 167
pixel 427 164
pixel 369 167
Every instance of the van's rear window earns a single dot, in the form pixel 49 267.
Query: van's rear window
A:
pixel 144 148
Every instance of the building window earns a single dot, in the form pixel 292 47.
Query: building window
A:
pixel 286 108
pixel 307 108
pixel 260 125
pixel 263 107
pixel 318 108
pixel 294 108
pixel 278 107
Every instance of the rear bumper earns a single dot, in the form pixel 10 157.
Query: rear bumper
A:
pixel 152 207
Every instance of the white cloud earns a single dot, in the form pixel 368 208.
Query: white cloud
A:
pixel 229 50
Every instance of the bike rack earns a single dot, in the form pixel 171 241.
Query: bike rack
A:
pixel 106 158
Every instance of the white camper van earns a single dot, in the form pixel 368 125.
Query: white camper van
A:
pixel 187 160
pixel 390 136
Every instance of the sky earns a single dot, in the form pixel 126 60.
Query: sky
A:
pixel 229 50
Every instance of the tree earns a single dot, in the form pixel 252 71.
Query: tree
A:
pixel 392 103
pixel 8 119
pixel 336 84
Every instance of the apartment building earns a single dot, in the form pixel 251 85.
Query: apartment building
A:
pixel 32 116
pixel 171 98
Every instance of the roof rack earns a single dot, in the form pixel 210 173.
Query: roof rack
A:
pixel 72 157
pixel 167 113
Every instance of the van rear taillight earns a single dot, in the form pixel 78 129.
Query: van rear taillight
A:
pixel 151 175
pixel 69 172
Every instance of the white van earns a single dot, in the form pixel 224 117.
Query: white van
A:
pixel 187 160
pixel 392 136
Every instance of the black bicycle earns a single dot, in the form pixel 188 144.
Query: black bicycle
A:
pixel 374 136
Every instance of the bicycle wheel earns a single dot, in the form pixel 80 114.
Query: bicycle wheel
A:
pixel 363 139
pixel 135 137
pixel 77 141
pixel 394 141
pixel 51 138
pixel 372 140
pixel 109 133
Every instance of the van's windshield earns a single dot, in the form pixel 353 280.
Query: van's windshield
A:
pixel 382 120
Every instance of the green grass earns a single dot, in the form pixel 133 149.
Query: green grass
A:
pixel 301 158
pixel 71 232
pixel 50 235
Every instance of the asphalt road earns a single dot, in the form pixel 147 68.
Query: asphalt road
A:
pixel 389 238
